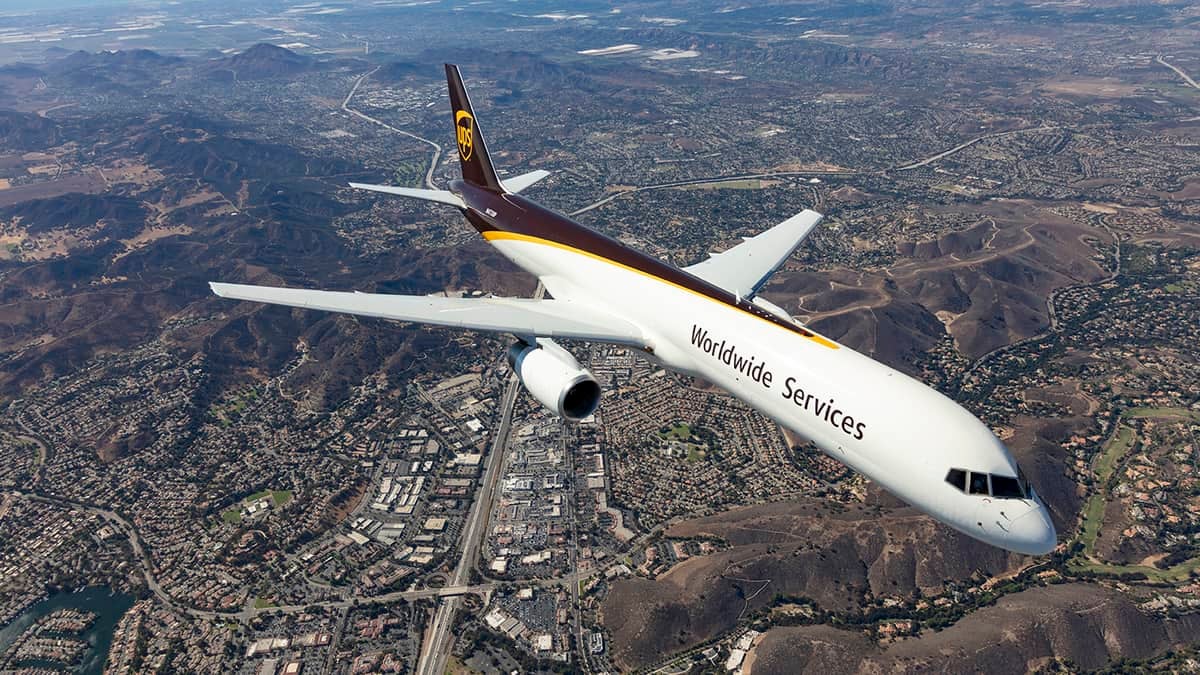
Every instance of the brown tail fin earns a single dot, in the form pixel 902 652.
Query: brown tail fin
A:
pixel 472 153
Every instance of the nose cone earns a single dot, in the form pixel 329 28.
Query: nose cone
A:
pixel 1032 533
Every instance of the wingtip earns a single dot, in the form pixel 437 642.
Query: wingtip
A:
pixel 217 288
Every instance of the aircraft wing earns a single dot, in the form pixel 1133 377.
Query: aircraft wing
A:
pixel 519 316
pixel 744 268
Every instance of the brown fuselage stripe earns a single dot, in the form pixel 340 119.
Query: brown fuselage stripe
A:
pixel 513 214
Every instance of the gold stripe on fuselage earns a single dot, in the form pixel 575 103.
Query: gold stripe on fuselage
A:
pixel 491 235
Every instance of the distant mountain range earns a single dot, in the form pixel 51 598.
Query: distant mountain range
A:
pixel 265 61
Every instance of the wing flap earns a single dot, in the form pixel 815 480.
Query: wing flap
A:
pixel 745 268
pixel 519 316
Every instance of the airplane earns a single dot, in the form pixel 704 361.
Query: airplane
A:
pixel 705 320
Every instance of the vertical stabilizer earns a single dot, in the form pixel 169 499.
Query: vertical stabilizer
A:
pixel 472 153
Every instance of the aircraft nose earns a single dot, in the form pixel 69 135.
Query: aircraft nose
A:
pixel 1032 533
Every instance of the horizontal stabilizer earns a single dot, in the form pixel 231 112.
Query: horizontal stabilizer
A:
pixel 745 268
pixel 518 183
pixel 440 196
pixel 519 316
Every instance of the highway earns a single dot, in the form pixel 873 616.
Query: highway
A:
pixel 584 660
pixel 1178 71
pixel 967 144
pixel 435 648
pixel 43 447
pixel 437 149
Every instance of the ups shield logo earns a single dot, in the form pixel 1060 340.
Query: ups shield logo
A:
pixel 465 125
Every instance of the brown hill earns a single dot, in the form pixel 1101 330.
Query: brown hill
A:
pixel 864 310
pixel 1085 624
pixel 112 60
pixel 993 279
pixel 27 131
pixel 1036 444
pixel 986 286
pixel 263 61
pixel 127 72
pixel 18 80
pixel 120 216
pixel 807 548
pixel 59 313
pixel 834 555
pixel 893 333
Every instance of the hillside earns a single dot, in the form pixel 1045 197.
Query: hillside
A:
pixel 1086 625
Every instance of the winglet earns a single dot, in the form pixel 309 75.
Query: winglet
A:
pixel 472 152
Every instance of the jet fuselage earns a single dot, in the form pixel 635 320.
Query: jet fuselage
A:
pixel 707 321
pixel 882 423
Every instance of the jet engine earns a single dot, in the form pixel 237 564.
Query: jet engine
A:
pixel 555 379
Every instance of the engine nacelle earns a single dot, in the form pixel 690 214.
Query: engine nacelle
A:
pixel 555 379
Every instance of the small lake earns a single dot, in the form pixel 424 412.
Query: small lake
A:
pixel 109 607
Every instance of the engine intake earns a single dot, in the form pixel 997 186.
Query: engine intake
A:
pixel 555 379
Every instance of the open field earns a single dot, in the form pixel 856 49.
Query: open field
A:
pixel 1104 87
pixel 278 497
pixel 1163 413
pixel 88 182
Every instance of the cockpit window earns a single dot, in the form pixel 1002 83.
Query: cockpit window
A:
pixel 1001 487
pixel 1004 486
pixel 979 483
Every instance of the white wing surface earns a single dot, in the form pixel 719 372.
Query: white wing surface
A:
pixel 744 268
pixel 519 316
pixel 518 183
pixel 514 184
pixel 440 196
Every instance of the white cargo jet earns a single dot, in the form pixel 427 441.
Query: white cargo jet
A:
pixel 704 320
